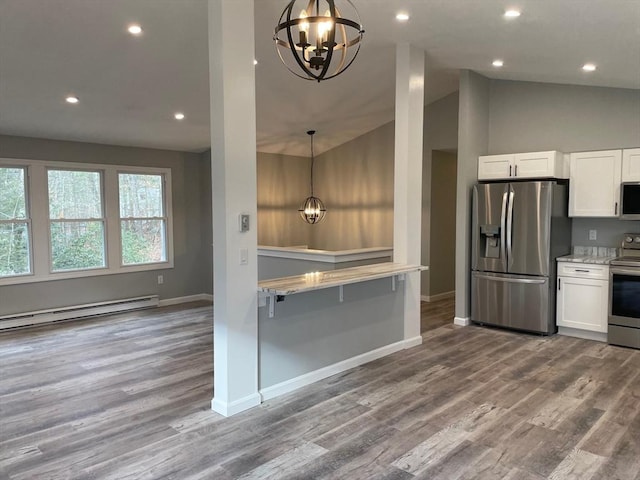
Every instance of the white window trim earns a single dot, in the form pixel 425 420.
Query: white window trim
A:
pixel 26 220
pixel 38 217
pixel 168 218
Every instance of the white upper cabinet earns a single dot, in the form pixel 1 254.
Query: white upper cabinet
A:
pixel 631 165
pixel 495 167
pixel 594 187
pixel 522 165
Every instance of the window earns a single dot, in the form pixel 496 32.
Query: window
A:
pixel 76 220
pixel 62 220
pixel 143 222
pixel 15 257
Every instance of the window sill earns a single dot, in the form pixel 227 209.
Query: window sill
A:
pixel 94 272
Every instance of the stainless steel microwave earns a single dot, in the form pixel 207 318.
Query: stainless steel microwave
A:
pixel 630 201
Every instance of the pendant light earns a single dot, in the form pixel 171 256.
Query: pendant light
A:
pixel 319 43
pixel 312 210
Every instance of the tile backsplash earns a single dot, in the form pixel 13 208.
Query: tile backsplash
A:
pixel 595 251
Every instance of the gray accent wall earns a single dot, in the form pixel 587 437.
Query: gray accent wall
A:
pixel 473 141
pixel 313 330
pixel 528 116
pixel 189 274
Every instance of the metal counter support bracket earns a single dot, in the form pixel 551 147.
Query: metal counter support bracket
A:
pixel 272 305
pixel 341 293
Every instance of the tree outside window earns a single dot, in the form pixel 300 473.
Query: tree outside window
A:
pixel 15 257
pixel 143 222
pixel 76 220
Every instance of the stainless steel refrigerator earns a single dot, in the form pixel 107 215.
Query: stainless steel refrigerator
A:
pixel 519 229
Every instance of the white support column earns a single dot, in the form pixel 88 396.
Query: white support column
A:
pixel 233 170
pixel 407 204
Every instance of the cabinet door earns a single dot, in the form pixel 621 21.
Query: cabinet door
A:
pixel 536 165
pixel 594 189
pixel 495 167
pixel 631 165
pixel 582 303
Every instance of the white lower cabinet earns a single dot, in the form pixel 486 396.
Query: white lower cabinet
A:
pixel 582 296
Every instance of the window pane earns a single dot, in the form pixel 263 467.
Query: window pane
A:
pixel 77 245
pixel 74 194
pixel 14 249
pixel 140 195
pixel 12 196
pixel 143 241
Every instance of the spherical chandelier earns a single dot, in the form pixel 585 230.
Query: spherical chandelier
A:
pixel 321 40
pixel 312 210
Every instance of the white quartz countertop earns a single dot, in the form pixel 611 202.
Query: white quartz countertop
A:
pixel 318 280
pixel 593 259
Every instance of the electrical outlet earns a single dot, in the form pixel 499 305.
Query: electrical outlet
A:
pixel 160 279
pixel 244 256
pixel 593 234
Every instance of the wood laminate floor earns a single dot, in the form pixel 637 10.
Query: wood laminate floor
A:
pixel 127 397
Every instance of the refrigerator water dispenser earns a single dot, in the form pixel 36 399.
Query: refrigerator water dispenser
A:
pixel 490 240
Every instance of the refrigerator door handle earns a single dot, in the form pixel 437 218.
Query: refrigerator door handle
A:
pixel 503 227
pixel 512 280
pixel 509 229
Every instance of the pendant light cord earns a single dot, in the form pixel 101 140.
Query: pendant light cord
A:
pixel 311 133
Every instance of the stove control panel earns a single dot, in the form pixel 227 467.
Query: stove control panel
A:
pixel 631 241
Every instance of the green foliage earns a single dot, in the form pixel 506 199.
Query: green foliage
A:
pixel 14 249
pixel 77 245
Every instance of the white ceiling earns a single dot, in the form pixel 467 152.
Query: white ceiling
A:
pixel 130 87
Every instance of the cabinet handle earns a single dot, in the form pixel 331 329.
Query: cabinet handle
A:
pixel 516 171
pixel 510 167
pixel 558 284
pixel 616 212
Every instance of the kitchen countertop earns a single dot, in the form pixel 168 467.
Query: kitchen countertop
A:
pixel 344 276
pixel 594 255
pixel 593 259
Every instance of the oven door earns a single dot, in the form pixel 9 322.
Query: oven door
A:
pixel 624 306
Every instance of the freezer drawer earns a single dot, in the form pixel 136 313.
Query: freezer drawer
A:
pixel 513 301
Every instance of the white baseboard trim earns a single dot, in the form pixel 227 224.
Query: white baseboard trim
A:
pixel 439 296
pixel 462 321
pixel 190 298
pixel 231 408
pixel 311 377
pixel 584 334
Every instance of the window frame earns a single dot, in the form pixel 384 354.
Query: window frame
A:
pixel 36 186
pixel 27 220
pixel 102 219
pixel 166 198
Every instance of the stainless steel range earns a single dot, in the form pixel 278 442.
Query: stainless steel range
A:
pixel 624 294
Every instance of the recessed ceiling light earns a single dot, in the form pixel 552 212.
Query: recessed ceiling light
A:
pixel 179 116
pixel 72 99
pixel 402 17
pixel 498 63
pixel 255 62
pixel 135 29
pixel 589 67
pixel 512 13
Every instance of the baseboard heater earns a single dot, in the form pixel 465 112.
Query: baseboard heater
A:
pixel 76 311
